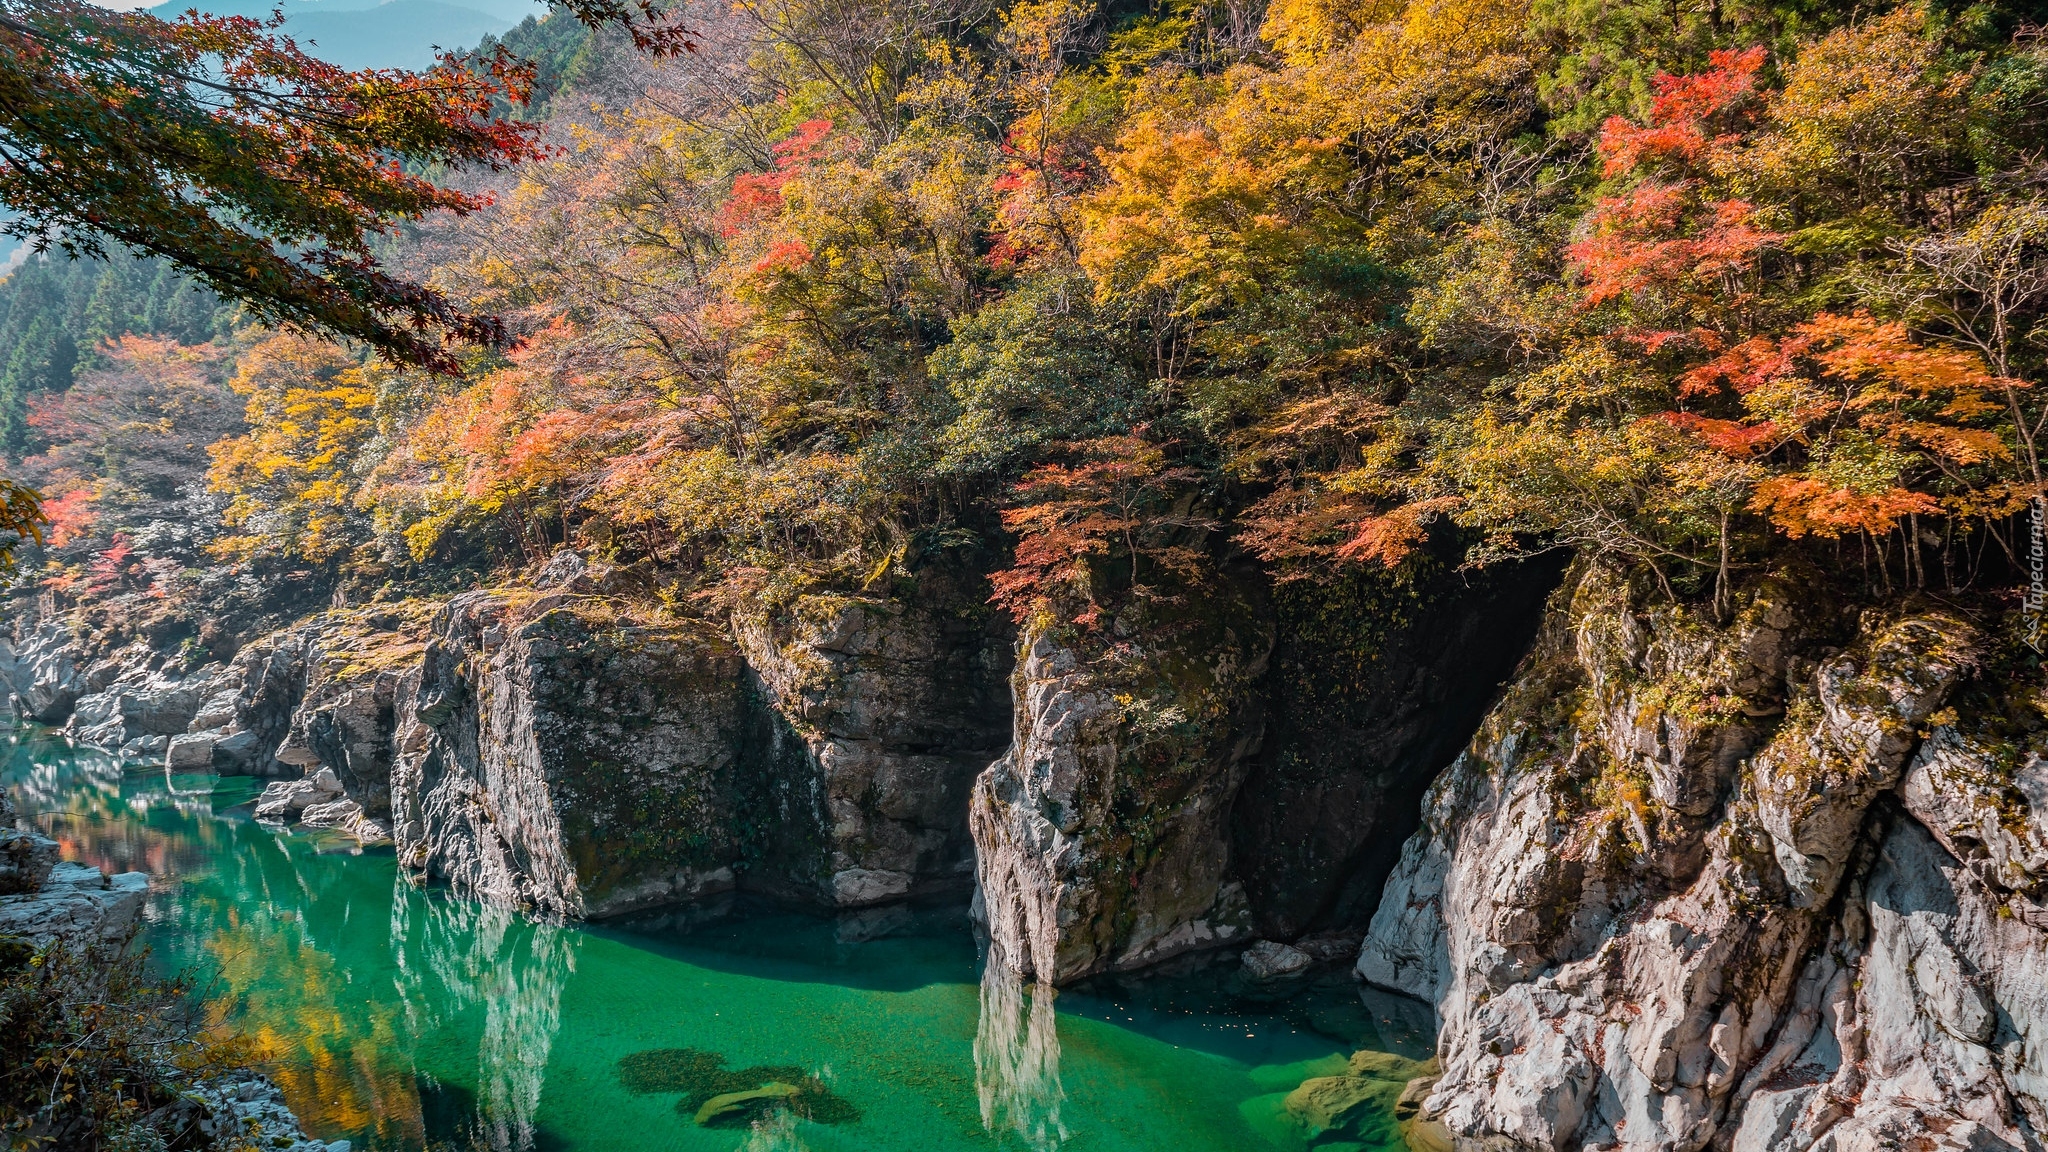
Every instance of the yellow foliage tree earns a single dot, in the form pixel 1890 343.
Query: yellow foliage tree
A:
pixel 291 481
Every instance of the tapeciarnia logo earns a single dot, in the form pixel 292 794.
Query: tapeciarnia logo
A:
pixel 2036 563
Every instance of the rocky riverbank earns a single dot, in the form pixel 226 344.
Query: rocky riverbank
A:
pixel 1766 883
pixel 45 899
pixel 1765 886
pixel 46 902
pixel 558 746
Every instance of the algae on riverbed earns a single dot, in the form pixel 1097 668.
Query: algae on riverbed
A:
pixel 704 1080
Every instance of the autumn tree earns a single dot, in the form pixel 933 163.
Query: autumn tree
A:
pixel 261 170
pixel 1120 503
pixel 292 481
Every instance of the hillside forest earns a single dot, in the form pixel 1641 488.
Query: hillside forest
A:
pixel 1108 295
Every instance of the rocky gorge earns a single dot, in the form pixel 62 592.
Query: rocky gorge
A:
pixel 1765 884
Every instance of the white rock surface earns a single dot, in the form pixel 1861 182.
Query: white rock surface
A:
pixel 77 903
pixel 283 800
pixel 1653 909
pixel 1271 960
pixel 192 752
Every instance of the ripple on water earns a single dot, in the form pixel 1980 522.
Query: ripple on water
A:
pixel 402 1018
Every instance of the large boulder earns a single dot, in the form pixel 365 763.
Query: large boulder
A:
pixel 875 715
pixel 555 755
pixel 144 702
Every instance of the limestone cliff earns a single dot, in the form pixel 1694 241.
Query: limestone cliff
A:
pixel 1377 681
pixel 1237 762
pixel 875 715
pixel 554 755
pixel 1103 834
pixel 1681 891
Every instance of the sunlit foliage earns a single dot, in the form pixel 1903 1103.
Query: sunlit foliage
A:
pixel 1127 295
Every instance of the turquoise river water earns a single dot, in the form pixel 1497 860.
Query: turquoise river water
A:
pixel 403 1018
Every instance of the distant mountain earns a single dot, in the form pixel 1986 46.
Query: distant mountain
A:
pixel 367 34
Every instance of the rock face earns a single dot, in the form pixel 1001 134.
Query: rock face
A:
pixel 42 899
pixel 1686 887
pixel 37 672
pixel 77 902
pixel 137 701
pixel 1103 834
pixel 1241 762
pixel 25 857
pixel 878 715
pixel 554 756
pixel 321 692
pixel 553 753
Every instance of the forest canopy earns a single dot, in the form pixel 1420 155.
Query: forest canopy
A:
pixel 1118 293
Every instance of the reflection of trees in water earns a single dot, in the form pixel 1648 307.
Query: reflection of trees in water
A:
pixel 339 1057
pixel 456 955
pixel 1017 1060
pixel 280 928
pixel 80 798
pixel 275 925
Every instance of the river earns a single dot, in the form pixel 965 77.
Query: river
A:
pixel 401 1017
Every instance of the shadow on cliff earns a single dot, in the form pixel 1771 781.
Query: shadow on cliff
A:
pixel 1378 681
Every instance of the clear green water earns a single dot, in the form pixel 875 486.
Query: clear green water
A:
pixel 402 1018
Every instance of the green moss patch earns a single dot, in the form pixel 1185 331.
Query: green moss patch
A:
pixel 715 1096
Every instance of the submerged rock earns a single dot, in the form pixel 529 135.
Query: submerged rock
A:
pixel 1330 1103
pixel 1269 960
pixel 713 1094
pixel 737 1107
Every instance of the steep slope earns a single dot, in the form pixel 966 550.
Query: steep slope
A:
pixel 1684 888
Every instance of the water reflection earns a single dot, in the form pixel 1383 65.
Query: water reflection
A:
pixel 401 1018
pixel 455 957
pixel 1017 1059
pixel 334 977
